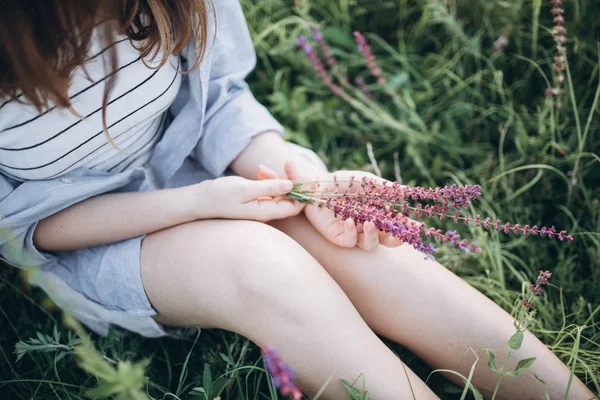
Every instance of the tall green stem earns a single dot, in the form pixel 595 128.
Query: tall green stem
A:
pixel 501 374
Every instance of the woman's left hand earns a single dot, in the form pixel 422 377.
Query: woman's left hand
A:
pixel 339 232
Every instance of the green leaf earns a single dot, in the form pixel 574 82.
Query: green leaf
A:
pixel 466 381
pixel 516 340
pixel 198 391
pixel 207 381
pixel 227 359
pixel 42 338
pixel 349 388
pixel 400 80
pixel 523 364
pixel 339 37
pixel 355 394
pixel 492 361
pixel 105 390
pixel 220 384
pixel 477 394
pixel 56 334
pixel 60 356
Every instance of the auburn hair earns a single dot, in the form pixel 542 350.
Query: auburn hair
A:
pixel 43 41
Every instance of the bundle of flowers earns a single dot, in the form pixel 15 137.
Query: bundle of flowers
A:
pixel 395 208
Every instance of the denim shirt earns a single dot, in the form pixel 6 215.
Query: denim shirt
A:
pixel 215 117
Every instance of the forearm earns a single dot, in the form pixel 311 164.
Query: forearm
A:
pixel 270 150
pixel 119 216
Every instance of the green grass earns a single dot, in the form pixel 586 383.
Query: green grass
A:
pixel 451 113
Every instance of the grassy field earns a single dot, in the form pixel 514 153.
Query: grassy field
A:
pixel 458 106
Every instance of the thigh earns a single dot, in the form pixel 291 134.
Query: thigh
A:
pixel 206 273
pixel 389 286
pixel 425 307
pixel 252 279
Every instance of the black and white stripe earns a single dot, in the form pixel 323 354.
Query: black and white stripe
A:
pixel 42 145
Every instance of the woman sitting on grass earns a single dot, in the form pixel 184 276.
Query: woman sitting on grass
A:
pixel 118 119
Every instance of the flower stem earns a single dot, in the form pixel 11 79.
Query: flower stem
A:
pixel 501 374
pixel 574 356
pixel 302 197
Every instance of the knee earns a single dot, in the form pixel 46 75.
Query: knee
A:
pixel 225 270
pixel 271 268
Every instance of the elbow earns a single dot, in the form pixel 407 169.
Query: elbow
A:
pixel 41 237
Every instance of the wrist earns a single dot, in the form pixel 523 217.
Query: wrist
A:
pixel 197 203
pixel 308 170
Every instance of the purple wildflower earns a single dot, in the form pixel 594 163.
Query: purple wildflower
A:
pixel 388 207
pixel 501 43
pixel 331 61
pixel 559 32
pixel 317 34
pixel 537 288
pixel 317 64
pixel 393 223
pixel 391 206
pixel 365 49
pixel 283 375
pixel 527 304
pixel 302 42
pixel 543 278
pixel 360 83
pixel 320 39
pixel 541 281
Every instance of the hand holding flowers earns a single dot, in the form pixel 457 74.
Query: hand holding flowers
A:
pixel 343 232
pixel 353 208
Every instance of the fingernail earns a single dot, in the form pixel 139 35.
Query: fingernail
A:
pixel 286 186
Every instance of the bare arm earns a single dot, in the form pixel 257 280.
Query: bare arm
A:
pixel 118 216
pixel 114 217
pixel 270 150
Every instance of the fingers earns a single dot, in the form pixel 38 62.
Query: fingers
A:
pixel 267 188
pixel 268 210
pixel 369 239
pixel 388 240
pixel 265 172
pixel 347 234
pixel 291 171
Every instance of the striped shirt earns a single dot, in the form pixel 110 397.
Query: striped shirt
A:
pixel 42 145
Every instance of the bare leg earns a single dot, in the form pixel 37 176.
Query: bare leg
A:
pixel 431 311
pixel 252 279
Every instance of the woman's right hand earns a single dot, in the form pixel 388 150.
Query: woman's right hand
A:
pixel 233 197
pixel 112 217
